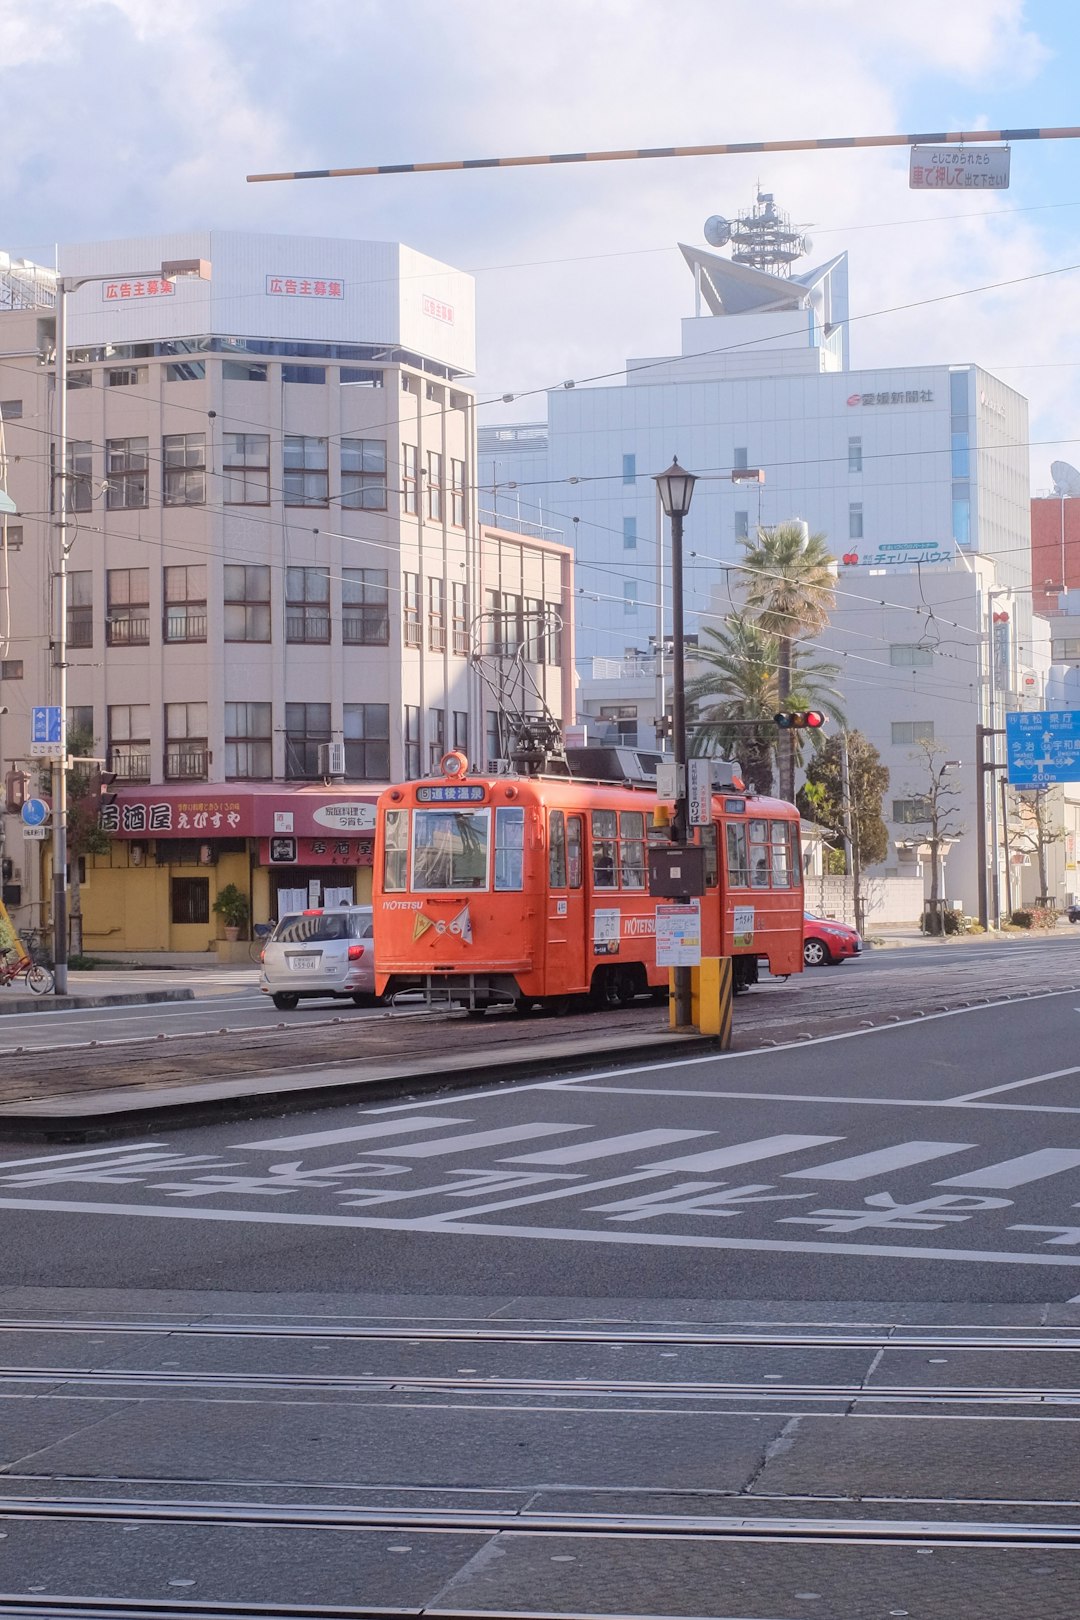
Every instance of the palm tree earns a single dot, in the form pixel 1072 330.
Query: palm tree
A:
pixel 740 684
pixel 791 588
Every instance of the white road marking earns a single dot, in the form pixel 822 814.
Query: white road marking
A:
pixel 811 1097
pixel 1018 1172
pixel 866 1166
pixel 477 1139
pixel 353 1133
pixel 83 1153
pixel 1015 1085
pixel 466 1228
pixel 766 1147
pixel 606 1148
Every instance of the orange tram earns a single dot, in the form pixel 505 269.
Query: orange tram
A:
pixel 534 890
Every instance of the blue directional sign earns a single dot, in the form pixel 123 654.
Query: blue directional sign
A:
pixel 35 812
pixel 46 724
pixel 1043 747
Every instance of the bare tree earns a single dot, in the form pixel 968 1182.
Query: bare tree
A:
pixel 1031 827
pixel 934 805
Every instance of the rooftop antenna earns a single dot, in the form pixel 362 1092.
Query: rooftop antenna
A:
pixel 1066 478
pixel 762 237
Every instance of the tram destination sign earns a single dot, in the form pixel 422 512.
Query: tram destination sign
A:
pixel 959 168
pixel 452 793
pixel 1042 746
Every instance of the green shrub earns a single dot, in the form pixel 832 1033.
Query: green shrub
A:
pixel 1022 919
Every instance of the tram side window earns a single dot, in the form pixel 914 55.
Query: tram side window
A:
pixel 796 856
pixel 557 849
pixel 632 849
pixel 738 866
pixel 709 844
pixel 759 854
pixel 604 846
pixel 510 847
pixel 781 855
pixel 573 851
pixel 395 849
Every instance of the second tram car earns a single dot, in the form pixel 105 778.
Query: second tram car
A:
pixel 533 890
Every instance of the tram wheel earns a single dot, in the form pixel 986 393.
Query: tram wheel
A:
pixel 614 988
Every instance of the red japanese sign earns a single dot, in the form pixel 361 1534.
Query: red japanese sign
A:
pixel 120 291
pixel 304 287
pixel 438 310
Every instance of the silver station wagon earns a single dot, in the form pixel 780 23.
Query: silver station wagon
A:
pixel 321 953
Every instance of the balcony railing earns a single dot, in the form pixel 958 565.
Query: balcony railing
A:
pixel 436 632
pixel 80 632
pixel 127 632
pixel 185 627
pixel 130 767
pixel 188 764
pixel 304 627
pixel 413 634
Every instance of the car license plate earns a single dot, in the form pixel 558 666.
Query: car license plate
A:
pixel 303 964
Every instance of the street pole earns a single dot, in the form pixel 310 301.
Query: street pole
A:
pixel 1005 826
pixel 679 828
pixel 59 766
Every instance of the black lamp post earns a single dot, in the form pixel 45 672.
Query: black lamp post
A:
pixel 676 487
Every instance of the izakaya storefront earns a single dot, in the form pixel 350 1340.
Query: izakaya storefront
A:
pixel 174 849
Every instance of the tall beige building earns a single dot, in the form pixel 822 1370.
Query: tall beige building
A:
pixel 276 561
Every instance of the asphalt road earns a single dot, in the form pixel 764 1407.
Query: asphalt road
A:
pixel 785 1332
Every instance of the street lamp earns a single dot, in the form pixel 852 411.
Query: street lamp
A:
pixel 676 487
pixel 65 286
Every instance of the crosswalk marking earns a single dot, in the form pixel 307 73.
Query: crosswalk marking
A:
pixel 606 1148
pixel 865 1166
pixel 354 1133
pixel 766 1147
pixel 475 1139
pixel 1018 1172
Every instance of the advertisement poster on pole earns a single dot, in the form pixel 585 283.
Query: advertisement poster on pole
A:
pixel 699 792
pixel 678 936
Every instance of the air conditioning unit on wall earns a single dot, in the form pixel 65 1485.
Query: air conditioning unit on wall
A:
pixel 332 759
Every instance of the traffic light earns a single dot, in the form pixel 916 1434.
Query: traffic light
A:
pixel 800 720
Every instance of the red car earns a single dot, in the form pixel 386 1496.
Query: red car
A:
pixel 827 941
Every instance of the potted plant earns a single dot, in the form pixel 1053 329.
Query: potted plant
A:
pixel 232 907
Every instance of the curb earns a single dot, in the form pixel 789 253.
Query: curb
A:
pixel 119 1112
pixel 118 998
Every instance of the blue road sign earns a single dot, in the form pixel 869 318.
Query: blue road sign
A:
pixel 35 812
pixel 1043 747
pixel 46 724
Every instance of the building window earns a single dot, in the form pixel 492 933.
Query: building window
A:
pixel 307 477
pixel 854 521
pixel 629 533
pixel 492 739
pixel 437 615
pixel 909 812
pixel 365 612
pixel 629 469
pixel 127 623
pixel 10 410
pixel 185 602
pixel 184 456
pixel 307 604
pixel 11 536
pixel 535 625
pixel 247 602
pixel 248 745
pixel 363 475
pixel 854 455
pixel 241 371
pixel 80 609
pixel 126 376
pixel 408 478
pixel 961 513
pixel 11 669
pixel 80 721
pixel 739 462
pixel 185 371
pixel 436 737
pixel 306 726
pixel 912 731
pixel 460 722
pixel 360 377
pixel 366 731
pixel 126 469
pixel 186 758
pixel 630 596
pixel 406 383
pixel 79 379
pixel 129 741
pixel 303 374
pixel 911 655
pixel 620 723
pixel 189 900
pixel 246 469
pixel 412 741
pixel 457 493
pixel 460 618
pixel 513 624
pixel 80 469
pixel 412 631
pixel 742 525
pixel 434 485
pixel 554 636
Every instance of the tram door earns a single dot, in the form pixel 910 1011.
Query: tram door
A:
pixel 566 967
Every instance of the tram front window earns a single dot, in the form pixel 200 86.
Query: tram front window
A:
pixel 450 849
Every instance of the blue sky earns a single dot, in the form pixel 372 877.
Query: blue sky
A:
pixel 128 116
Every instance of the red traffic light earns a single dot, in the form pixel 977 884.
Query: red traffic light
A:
pixel 800 720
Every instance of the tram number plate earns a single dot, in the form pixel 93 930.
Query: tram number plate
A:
pixel 303 964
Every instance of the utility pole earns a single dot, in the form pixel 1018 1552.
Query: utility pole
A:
pixel 982 766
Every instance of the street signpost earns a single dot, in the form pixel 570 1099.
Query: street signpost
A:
pixel 699 791
pixel 1042 747
pixel 47 732
pixel 40 833
pixel 35 813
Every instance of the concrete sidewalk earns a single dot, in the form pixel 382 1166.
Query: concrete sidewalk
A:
pixel 18 1001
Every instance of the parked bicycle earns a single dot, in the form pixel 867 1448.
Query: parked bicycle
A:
pixel 260 933
pixel 21 966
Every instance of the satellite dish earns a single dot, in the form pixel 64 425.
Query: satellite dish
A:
pixel 1066 478
pixel 717 231
pixel 808 244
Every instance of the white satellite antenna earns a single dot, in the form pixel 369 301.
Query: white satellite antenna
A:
pixel 1066 478
pixel 717 231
